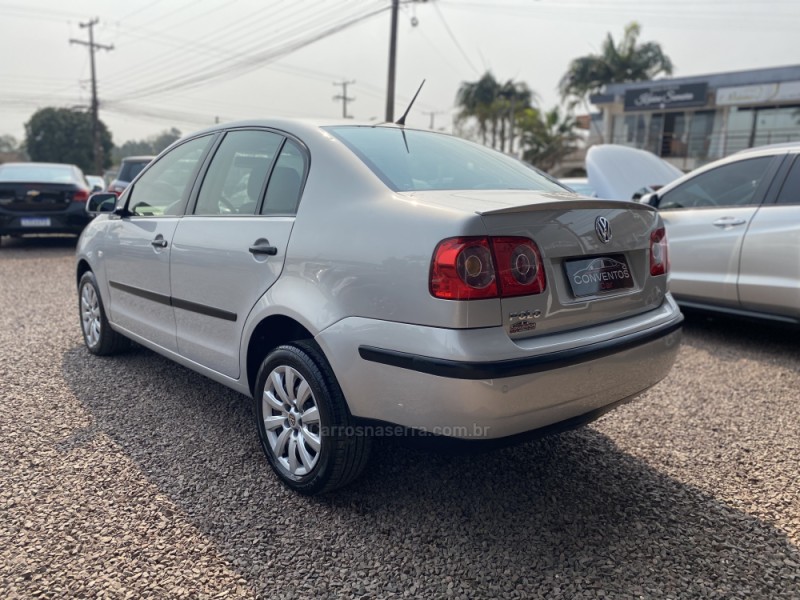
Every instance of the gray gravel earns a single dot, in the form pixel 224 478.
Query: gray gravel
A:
pixel 132 477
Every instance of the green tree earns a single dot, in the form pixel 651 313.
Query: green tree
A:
pixel 8 143
pixel 494 106
pixel 617 63
pixel 65 136
pixel 164 139
pixel 152 145
pixel 475 100
pixel 548 137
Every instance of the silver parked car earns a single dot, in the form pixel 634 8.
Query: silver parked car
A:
pixel 353 279
pixel 734 230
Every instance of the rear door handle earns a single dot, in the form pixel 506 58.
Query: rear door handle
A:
pixel 263 249
pixel 725 222
pixel 159 242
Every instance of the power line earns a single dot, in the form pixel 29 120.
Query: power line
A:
pixel 226 70
pixel 453 37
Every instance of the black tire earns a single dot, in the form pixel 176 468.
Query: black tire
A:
pixel 343 448
pixel 98 336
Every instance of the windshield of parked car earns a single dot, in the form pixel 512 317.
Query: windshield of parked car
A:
pixel 410 160
pixel 38 173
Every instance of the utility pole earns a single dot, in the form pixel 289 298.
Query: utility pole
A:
pixel 344 97
pixel 97 148
pixel 432 114
pixel 393 59
pixel 392 63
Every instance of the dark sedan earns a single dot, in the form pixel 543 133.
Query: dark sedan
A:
pixel 42 198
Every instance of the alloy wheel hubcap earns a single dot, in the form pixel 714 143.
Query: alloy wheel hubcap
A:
pixel 90 314
pixel 291 420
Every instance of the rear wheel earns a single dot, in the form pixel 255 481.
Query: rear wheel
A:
pixel 303 423
pixel 100 339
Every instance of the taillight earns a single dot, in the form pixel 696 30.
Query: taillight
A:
pixel 519 266
pixel 659 252
pixel 472 268
pixel 80 196
pixel 462 269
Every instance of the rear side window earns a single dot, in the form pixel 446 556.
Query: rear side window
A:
pixel 790 191
pixel 38 173
pixel 164 188
pixel 734 184
pixel 286 181
pixel 235 180
pixel 408 160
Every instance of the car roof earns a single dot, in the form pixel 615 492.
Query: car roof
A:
pixel 38 164
pixel 137 158
pixel 772 148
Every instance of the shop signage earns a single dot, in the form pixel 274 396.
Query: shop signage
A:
pixel 666 96
pixel 758 94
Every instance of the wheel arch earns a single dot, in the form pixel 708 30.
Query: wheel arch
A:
pixel 271 332
pixel 83 267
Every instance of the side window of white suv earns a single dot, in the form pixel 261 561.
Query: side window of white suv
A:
pixel 733 184
pixel 790 190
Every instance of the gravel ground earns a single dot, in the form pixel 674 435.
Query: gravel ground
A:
pixel 132 477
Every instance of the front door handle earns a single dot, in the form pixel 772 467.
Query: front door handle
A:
pixel 726 222
pixel 263 249
pixel 159 242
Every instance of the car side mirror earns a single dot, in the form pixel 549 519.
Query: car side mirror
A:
pixel 97 188
pixel 101 202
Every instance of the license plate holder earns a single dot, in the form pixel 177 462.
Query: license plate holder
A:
pixel 599 275
pixel 35 221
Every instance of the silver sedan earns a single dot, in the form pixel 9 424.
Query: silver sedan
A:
pixel 359 281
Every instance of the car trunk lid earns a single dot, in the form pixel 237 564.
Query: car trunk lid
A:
pixel 36 197
pixel 590 279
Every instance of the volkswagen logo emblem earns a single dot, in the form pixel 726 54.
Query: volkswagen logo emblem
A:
pixel 603 229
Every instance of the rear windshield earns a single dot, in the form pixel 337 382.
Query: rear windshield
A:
pixel 38 173
pixel 131 168
pixel 423 160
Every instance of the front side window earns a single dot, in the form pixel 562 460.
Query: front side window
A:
pixel 164 188
pixel 734 184
pixel 235 180
pixel 410 160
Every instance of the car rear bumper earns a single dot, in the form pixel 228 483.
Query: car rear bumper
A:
pixel 478 383
pixel 71 220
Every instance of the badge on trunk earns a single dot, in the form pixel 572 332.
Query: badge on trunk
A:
pixel 603 229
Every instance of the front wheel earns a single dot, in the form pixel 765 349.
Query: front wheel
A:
pixel 303 423
pixel 100 339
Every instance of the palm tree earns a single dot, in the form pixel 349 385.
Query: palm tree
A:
pixel 495 107
pixel 626 61
pixel 476 100
pixel 512 99
pixel 617 63
pixel 547 137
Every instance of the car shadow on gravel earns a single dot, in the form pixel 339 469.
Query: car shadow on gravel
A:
pixel 730 337
pixel 38 242
pixel 570 514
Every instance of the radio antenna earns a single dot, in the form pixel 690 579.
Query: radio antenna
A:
pixel 402 120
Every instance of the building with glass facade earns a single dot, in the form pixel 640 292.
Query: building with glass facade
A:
pixel 690 121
